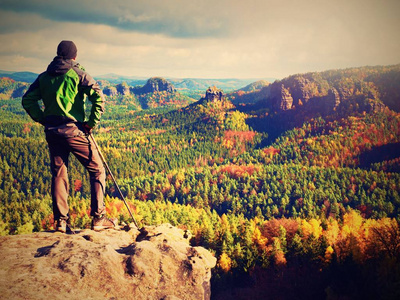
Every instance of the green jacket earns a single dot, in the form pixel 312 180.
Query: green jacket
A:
pixel 63 88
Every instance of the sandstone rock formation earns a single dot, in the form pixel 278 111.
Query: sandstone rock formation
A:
pixel 123 89
pixel 332 99
pixel 110 91
pixel 301 89
pixel 324 93
pixel 156 84
pixel 286 100
pixel 214 94
pixel 281 97
pixel 157 263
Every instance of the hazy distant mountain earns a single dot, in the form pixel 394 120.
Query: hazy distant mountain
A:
pixel 255 86
pixel 184 84
pixel 251 93
pixel 115 79
pixel 227 85
pixel 19 76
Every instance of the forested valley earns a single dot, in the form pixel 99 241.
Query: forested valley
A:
pixel 294 186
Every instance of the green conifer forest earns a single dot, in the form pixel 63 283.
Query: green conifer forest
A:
pixel 296 194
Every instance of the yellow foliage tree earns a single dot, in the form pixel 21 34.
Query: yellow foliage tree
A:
pixel 332 232
pixel 259 239
pixel 312 226
pixel 352 223
pixel 225 262
pixel 328 254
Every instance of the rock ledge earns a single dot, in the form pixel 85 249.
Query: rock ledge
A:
pixel 157 263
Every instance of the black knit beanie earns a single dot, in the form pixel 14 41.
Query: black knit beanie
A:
pixel 67 50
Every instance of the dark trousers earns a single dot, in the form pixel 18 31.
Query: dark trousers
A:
pixel 60 147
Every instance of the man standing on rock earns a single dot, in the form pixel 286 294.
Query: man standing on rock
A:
pixel 63 87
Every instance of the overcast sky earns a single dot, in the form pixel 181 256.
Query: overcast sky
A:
pixel 201 38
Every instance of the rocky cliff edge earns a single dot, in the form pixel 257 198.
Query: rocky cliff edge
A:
pixel 156 263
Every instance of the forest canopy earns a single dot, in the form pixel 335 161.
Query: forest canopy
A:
pixel 309 188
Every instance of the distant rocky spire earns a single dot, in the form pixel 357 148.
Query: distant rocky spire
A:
pixel 213 94
pixel 286 99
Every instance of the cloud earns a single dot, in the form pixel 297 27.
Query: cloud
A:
pixel 218 38
pixel 174 18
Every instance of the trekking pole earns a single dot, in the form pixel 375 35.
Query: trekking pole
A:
pixel 113 178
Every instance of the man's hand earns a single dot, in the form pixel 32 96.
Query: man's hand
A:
pixel 87 128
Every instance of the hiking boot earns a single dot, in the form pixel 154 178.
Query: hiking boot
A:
pixel 100 223
pixel 61 226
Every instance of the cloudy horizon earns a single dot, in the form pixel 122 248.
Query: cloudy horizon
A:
pixel 201 39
